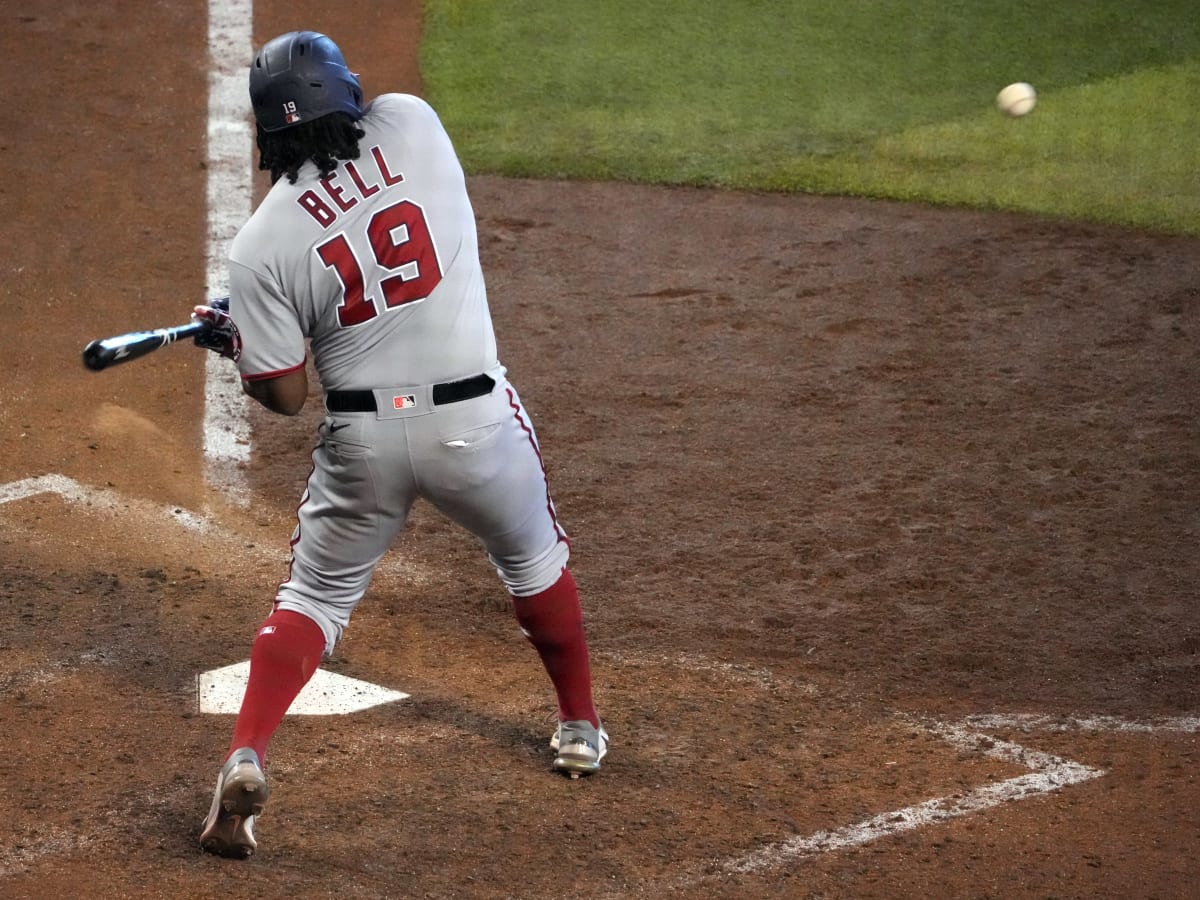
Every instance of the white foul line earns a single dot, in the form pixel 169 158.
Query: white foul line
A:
pixel 230 186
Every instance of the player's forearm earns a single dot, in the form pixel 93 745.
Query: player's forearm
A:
pixel 284 395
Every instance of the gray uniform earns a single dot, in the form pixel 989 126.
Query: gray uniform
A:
pixel 378 266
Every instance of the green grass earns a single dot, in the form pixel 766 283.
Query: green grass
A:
pixel 876 98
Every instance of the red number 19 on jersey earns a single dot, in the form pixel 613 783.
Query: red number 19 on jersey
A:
pixel 401 244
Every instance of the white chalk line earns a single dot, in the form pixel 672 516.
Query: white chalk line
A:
pixel 230 190
pixel 46 841
pixel 1042 723
pixel 931 812
pixel 1049 773
pixel 27 676
pixel 226 426
pixel 109 502
pixel 101 499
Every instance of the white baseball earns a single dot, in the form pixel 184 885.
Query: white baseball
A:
pixel 1017 99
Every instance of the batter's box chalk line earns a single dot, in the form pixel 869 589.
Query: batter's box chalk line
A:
pixel 113 503
pixel 100 498
pixel 1048 773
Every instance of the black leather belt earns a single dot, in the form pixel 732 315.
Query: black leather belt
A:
pixel 449 392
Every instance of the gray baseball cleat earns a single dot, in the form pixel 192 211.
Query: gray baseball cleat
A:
pixel 241 795
pixel 579 746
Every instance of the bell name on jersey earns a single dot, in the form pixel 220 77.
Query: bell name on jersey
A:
pixel 368 176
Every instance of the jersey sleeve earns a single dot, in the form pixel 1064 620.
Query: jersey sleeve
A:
pixel 272 339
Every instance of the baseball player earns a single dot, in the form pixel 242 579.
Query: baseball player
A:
pixel 366 247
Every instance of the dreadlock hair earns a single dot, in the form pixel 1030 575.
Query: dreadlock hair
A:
pixel 323 141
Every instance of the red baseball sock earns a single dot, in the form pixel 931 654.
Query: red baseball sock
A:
pixel 286 652
pixel 553 622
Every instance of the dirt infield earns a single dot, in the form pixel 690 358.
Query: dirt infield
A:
pixel 885 520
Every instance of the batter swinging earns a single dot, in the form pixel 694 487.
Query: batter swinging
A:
pixel 366 245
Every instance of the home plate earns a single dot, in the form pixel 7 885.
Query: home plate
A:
pixel 326 694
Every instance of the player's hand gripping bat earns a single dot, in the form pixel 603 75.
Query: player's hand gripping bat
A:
pixel 213 330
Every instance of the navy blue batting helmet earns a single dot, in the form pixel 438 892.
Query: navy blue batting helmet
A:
pixel 301 76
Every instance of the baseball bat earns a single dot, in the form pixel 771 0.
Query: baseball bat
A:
pixel 122 348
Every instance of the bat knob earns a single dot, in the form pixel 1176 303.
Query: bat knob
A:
pixel 92 358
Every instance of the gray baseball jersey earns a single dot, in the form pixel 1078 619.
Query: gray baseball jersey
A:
pixel 378 264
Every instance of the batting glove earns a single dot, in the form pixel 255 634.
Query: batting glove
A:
pixel 221 335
